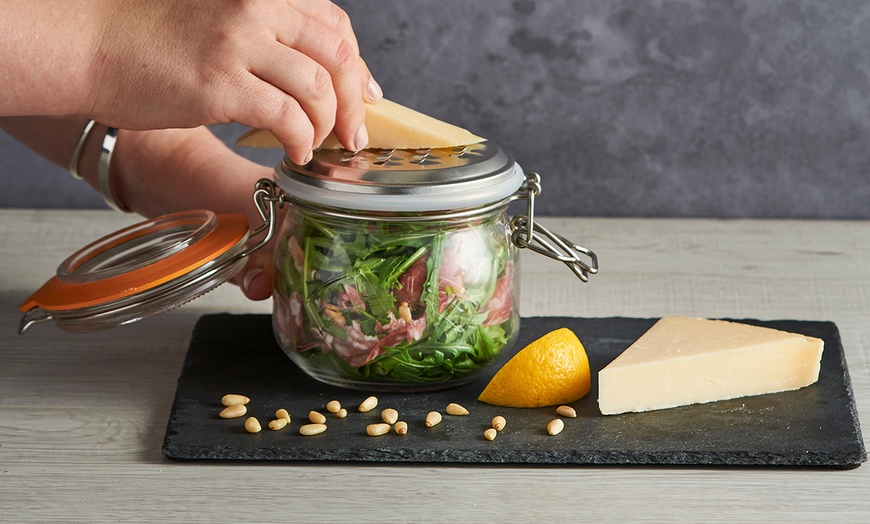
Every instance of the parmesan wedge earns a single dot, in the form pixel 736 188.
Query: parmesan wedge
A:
pixel 390 126
pixel 682 361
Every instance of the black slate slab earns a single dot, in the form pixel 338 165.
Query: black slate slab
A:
pixel 814 426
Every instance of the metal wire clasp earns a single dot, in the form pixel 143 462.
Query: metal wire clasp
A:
pixel 267 198
pixel 525 233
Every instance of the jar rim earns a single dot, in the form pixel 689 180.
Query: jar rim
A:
pixel 466 213
pixel 396 180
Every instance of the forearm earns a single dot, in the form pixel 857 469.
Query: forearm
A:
pixel 159 172
pixel 49 49
pixel 52 138
pixel 152 172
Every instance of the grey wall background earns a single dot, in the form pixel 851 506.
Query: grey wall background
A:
pixel 627 108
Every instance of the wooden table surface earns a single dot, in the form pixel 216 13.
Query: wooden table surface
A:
pixel 82 417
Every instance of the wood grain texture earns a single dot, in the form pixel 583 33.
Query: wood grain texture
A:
pixel 82 417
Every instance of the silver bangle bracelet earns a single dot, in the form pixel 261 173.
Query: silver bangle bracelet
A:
pixel 77 150
pixel 104 171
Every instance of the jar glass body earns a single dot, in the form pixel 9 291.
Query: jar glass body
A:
pixel 412 304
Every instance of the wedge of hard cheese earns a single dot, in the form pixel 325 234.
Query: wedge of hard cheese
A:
pixel 390 126
pixel 682 361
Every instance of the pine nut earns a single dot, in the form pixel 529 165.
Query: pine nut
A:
pixel 333 406
pixel 368 404
pixel 405 312
pixel 377 429
pixel 341 413
pixel 433 419
pixel 278 423
pixel 555 426
pixel 282 413
pixel 335 315
pixel 234 411
pixel 252 425
pixel 455 409
pixel 566 411
pixel 390 415
pixel 401 427
pixel 490 434
pixel 234 400
pixel 498 423
pixel 312 429
pixel 316 417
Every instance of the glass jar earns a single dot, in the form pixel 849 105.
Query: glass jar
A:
pixel 397 270
pixel 416 304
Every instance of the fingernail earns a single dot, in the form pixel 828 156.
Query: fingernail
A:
pixel 308 157
pixel 250 275
pixel 361 138
pixel 375 91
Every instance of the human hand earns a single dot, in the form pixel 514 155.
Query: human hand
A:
pixel 289 66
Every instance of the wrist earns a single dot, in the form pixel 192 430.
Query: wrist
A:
pixel 165 171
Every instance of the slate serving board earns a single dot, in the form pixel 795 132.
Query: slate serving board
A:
pixel 814 426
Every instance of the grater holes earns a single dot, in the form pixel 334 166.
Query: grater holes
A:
pixel 425 156
pixel 459 152
pixel 347 156
pixel 466 151
pixel 385 158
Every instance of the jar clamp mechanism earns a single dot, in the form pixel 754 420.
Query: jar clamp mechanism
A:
pixel 526 233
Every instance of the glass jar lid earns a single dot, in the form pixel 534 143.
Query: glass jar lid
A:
pixel 140 271
pixel 401 180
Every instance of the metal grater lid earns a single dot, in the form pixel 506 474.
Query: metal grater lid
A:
pixel 403 180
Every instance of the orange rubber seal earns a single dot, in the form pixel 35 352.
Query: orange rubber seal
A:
pixel 56 295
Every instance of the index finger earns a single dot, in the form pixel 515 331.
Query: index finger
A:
pixel 336 54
